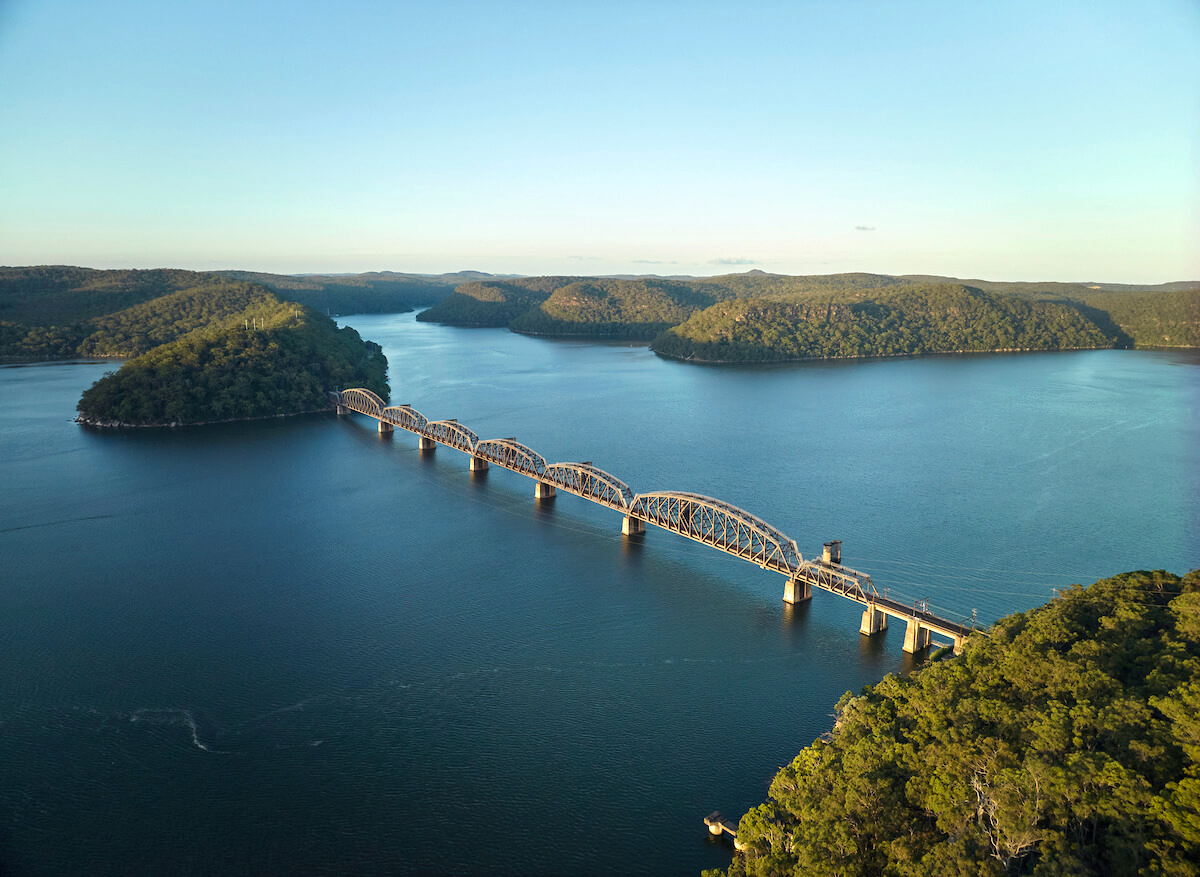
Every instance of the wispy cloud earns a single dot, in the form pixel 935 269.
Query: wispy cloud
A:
pixel 738 261
pixel 653 262
pixel 585 258
pixel 864 228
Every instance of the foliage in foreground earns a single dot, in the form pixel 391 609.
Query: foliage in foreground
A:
pixel 1066 742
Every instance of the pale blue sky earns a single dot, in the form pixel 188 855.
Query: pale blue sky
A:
pixel 1005 140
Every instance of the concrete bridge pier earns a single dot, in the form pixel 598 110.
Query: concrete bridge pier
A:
pixel 873 621
pixel 632 526
pixel 342 410
pixel 478 464
pixel 386 428
pixel 797 591
pixel 542 490
pixel 916 637
pixel 425 444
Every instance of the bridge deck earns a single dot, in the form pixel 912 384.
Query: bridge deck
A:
pixel 709 521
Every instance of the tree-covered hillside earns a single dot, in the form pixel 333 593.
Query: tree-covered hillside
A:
pixel 371 293
pixel 284 364
pixel 1164 315
pixel 1067 741
pixel 779 316
pixel 493 303
pixel 906 319
pixel 1148 319
pixel 617 308
pixel 608 307
pixel 58 295
pixel 66 312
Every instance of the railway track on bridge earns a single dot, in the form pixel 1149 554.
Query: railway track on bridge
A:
pixel 704 519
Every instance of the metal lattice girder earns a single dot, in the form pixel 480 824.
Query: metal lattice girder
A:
pixel 511 454
pixel 363 401
pixel 587 481
pixel 841 580
pixel 405 417
pixel 452 433
pixel 720 525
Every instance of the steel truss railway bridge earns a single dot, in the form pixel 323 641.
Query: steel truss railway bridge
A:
pixel 704 519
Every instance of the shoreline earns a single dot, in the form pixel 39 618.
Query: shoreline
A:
pixel 693 359
pixel 117 424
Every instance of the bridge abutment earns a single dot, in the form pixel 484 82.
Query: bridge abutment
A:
pixel 632 526
pixel 425 443
pixel 797 591
pixel 478 464
pixel 541 490
pixel 873 621
pixel 342 410
pixel 916 637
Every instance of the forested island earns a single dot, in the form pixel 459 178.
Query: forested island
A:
pixel 759 317
pixel 200 347
pixel 1064 741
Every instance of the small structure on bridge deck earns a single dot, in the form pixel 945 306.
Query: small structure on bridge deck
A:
pixel 718 825
pixel 833 552
pixel 632 526
pixel 541 490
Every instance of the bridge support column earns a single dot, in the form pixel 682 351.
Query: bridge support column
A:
pixel 478 464
pixel 916 637
pixel 544 491
pixel 959 642
pixel 426 444
pixel 386 428
pixel 873 621
pixel 797 591
pixel 342 410
pixel 632 526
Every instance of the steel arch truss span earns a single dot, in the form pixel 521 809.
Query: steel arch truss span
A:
pixel 452 433
pixel 842 580
pixel 511 454
pixel 363 401
pixel 584 479
pixel 405 417
pixel 721 525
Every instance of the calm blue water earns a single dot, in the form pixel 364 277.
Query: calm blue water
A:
pixel 296 647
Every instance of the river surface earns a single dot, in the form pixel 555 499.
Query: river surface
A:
pixel 296 647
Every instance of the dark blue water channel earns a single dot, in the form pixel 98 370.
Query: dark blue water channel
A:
pixel 296 647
